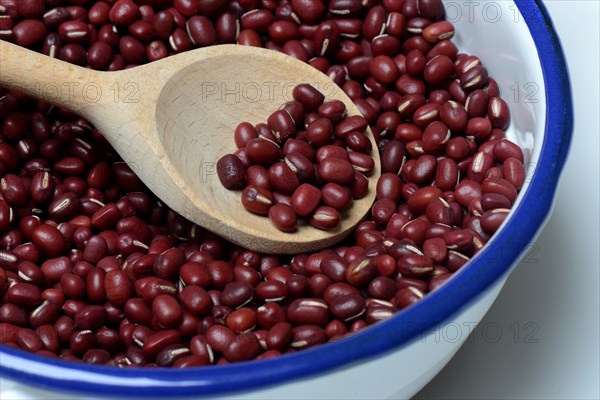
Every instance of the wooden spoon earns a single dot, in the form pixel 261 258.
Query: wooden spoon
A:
pixel 171 120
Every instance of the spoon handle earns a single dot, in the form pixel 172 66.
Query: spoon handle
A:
pixel 46 78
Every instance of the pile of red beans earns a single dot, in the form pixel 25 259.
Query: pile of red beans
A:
pixel 310 173
pixel 94 268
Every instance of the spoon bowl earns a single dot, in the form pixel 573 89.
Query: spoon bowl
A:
pixel 171 120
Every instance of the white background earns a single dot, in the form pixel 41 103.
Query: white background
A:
pixel 540 340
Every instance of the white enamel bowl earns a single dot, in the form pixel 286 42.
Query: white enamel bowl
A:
pixel 518 45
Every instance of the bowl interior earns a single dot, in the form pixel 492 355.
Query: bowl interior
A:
pixel 497 33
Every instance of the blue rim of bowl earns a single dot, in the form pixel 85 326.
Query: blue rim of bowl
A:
pixel 386 336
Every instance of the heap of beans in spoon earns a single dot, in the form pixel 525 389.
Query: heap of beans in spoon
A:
pixel 94 268
pixel 310 171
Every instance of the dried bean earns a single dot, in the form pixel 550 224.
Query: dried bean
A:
pixel 305 199
pixel 231 172
pixel 283 217
pixel 308 311
pixel 347 307
pixel 257 200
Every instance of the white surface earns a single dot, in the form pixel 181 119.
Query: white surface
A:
pixel 541 338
